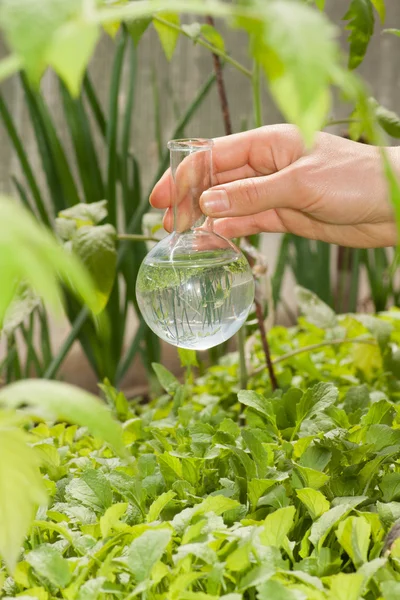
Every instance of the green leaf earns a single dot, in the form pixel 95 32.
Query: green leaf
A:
pixel 158 505
pixel 24 304
pixel 216 504
pixel 167 35
pixel 314 501
pixel 257 488
pixel 65 402
pixel 91 489
pixel 188 358
pixel 315 400
pixel 315 311
pixel 346 586
pixel 145 551
pixel 393 31
pixel 70 51
pixel 380 9
pixel 92 589
pixel 274 590
pixel 48 562
pixel 390 590
pixel 111 518
pixel 354 536
pixel 84 214
pixel 137 28
pixel 23 491
pixel 388 120
pixel 390 486
pixel 29 253
pixel 211 35
pixel 31 26
pixel 277 525
pixel 193 30
pixel 167 380
pixel 305 477
pixel 324 524
pixel 389 512
pixel 96 247
pixel 258 403
pixel 361 26
pixel 296 49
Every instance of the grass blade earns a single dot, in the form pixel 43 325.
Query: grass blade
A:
pixel 112 130
pixel 59 178
pixel 95 105
pixel 129 204
pixel 82 140
pixel 24 161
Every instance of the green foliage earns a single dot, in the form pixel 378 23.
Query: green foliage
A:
pixel 210 509
pixel 361 26
pixel 30 254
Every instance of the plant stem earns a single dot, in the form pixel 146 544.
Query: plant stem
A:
pixel 136 237
pixel 312 347
pixel 221 87
pixel 341 122
pixel 256 85
pixel 216 51
pixel 265 345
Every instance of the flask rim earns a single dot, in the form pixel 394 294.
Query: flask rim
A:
pixel 191 144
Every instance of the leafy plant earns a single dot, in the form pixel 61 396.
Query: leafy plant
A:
pixel 296 504
pixel 78 213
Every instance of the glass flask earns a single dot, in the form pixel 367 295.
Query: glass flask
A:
pixel 194 288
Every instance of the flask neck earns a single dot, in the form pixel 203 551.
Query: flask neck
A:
pixel 191 170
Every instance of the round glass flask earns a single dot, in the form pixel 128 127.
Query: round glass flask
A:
pixel 194 288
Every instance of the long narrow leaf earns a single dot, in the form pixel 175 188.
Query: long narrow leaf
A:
pixel 24 161
pixel 46 150
pixel 112 130
pixel 95 105
pixel 82 140
pixel 126 135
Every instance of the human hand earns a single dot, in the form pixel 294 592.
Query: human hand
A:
pixel 266 181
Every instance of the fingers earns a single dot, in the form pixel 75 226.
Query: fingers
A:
pixel 240 227
pixel 251 196
pixel 257 152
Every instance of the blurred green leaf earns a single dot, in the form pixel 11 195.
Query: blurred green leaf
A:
pixel 314 501
pixel 70 51
pixel 23 491
pixel 145 551
pixel 64 402
pixel 361 26
pixel 346 586
pixel 168 36
pixel 30 27
pixel 48 562
pixel 211 35
pixel 137 28
pixel 315 310
pixel 96 247
pixel 380 8
pixel 354 536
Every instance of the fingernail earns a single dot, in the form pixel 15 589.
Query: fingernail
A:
pixel 215 202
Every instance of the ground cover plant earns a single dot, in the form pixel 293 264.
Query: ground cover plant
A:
pixel 297 504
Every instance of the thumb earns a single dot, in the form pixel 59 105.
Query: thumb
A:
pixel 251 196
